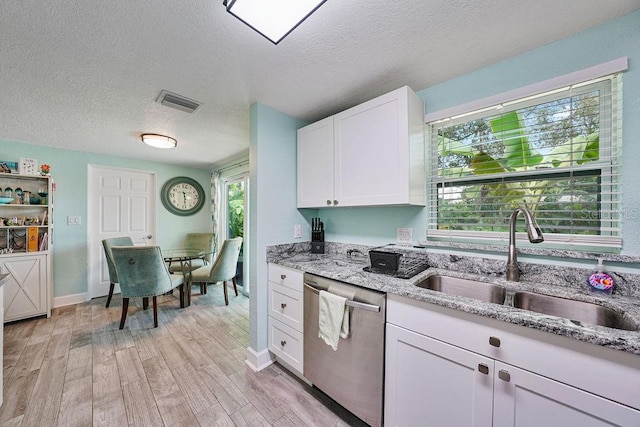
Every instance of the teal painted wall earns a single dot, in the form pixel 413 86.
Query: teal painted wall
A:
pixel 69 171
pixel 614 39
pixel 272 203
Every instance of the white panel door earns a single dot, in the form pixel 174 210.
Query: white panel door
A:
pixel 431 383
pixel 524 399
pixel 121 203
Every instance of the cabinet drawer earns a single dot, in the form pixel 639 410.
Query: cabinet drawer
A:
pixel 285 305
pixel 286 276
pixel 286 343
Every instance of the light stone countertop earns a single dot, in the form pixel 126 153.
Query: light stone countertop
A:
pixel 335 264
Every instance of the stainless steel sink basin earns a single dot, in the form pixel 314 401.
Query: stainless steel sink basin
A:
pixel 578 311
pixel 465 288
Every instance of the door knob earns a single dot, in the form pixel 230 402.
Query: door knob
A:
pixel 504 375
pixel 335 203
pixel 148 236
pixel 283 305
pixel 283 343
pixel 483 368
pixel 494 341
pixel 283 276
pixel 328 202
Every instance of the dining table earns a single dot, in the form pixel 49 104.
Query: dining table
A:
pixel 184 256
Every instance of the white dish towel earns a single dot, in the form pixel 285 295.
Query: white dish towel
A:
pixel 333 319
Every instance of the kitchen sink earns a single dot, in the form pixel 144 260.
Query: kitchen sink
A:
pixel 577 311
pixel 482 291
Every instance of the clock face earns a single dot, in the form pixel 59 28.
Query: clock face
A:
pixel 182 196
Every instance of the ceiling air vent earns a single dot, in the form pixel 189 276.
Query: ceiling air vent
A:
pixel 178 102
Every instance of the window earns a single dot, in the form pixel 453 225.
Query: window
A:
pixel 555 153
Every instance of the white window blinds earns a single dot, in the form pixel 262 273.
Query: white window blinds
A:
pixel 556 153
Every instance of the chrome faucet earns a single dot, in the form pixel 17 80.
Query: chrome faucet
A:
pixel 534 234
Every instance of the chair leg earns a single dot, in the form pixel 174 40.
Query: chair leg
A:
pixel 203 288
pixel 235 285
pixel 155 312
pixel 226 293
pixel 145 303
pixel 125 307
pixel 111 288
pixel 182 296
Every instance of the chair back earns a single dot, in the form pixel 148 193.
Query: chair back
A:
pixel 141 270
pixel 107 244
pixel 202 241
pixel 225 265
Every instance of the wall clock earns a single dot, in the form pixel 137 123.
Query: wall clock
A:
pixel 182 196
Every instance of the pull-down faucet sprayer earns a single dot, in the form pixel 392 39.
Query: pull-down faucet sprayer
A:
pixel 534 234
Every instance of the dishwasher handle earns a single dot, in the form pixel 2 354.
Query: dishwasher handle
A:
pixel 350 303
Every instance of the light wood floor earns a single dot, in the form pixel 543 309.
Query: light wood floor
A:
pixel 77 369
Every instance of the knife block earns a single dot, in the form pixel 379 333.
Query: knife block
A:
pixel 317 247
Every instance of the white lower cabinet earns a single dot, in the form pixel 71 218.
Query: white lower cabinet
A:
pixel 472 372
pixel 432 383
pixel 26 293
pixel 523 398
pixel 286 316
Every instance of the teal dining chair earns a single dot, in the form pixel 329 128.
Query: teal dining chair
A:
pixel 223 269
pixel 107 244
pixel 143 273
pixel 202 241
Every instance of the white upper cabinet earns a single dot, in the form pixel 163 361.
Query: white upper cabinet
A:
pixel 315 164
pixel 369 155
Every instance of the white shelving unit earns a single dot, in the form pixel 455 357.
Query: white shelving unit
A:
pixel 26 236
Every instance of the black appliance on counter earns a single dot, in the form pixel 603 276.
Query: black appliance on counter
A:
pixel 402 266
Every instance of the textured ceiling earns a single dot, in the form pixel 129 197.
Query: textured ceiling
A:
pixel 84 75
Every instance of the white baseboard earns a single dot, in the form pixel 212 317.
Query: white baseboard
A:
pixel 258 361
pixel 70 300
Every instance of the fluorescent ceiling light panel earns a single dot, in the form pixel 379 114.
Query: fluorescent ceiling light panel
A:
pixel 274 19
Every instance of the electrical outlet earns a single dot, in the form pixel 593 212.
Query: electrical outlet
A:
pixel 404 236
pixel 297 231
pixel 73 220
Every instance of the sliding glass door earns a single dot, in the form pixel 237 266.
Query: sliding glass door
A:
pixel 235 206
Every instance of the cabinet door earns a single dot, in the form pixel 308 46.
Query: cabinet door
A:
pixel 315 164
pixel 431 383
pixel 526 399
pixel 372 152
pixel 25 294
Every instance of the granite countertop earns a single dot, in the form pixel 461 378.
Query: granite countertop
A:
pixel 337 265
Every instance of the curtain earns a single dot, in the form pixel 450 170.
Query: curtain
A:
pixel 215 204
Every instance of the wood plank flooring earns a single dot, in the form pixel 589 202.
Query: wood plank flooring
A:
pixel 77 369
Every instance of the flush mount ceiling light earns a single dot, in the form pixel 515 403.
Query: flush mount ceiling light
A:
pixel 158 141
pixel 274 19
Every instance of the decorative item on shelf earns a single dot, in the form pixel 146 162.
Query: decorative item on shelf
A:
pixel 5 200
pixel 18 193
pixel 45 169
pixel 43 192
pixel 8 167
pixel 28 166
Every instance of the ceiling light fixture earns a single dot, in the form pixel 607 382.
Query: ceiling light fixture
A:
pixel 158 141
pixel 274 19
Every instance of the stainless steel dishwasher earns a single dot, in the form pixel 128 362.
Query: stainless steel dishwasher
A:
pixel 353 375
